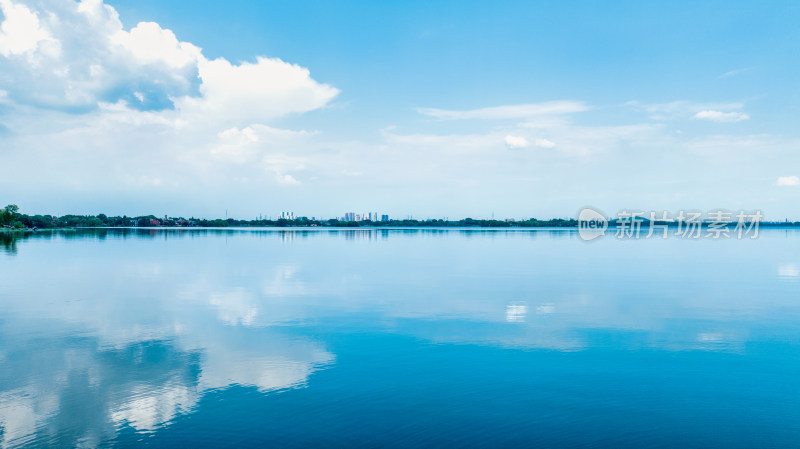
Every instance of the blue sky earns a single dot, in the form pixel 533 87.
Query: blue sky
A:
pixel 409 108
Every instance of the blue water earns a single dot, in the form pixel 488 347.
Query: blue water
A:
pixel 398 338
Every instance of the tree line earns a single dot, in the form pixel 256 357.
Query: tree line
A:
pixel 11 218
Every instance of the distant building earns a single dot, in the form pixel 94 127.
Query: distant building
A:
pixel 384 217
pixel 350 216
pixel 287 215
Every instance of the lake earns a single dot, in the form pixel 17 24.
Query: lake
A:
pixel 397 338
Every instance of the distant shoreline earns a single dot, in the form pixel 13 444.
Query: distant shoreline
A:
pixel 11 220
pixel 771 225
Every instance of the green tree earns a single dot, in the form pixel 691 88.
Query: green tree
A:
pixel 9 214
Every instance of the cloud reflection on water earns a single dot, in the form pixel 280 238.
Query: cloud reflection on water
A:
pixel 144 324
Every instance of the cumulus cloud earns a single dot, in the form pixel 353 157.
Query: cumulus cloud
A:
pixel 82 57
pixel 20 32
pixel 150 44
pixel 74 56
pixel 721 117
pixel 91 104
pixel 519 111
pixel 252 92
pixel 788 181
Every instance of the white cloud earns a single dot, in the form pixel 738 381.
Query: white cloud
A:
pixel 471 160
pixel 679 110
pixel 287 179
pixel 788 181
pixel 254 92
pixel 516 142
pixel 77 56
pixel 519 111
pixel 20 32
pixel 149 43
pixel 246 135
pixel 139 110
pixel 721 117
pixel 80 62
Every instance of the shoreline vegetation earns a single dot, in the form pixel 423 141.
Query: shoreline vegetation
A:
pixel 11 220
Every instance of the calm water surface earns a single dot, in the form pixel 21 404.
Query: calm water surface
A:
pixel 397 338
